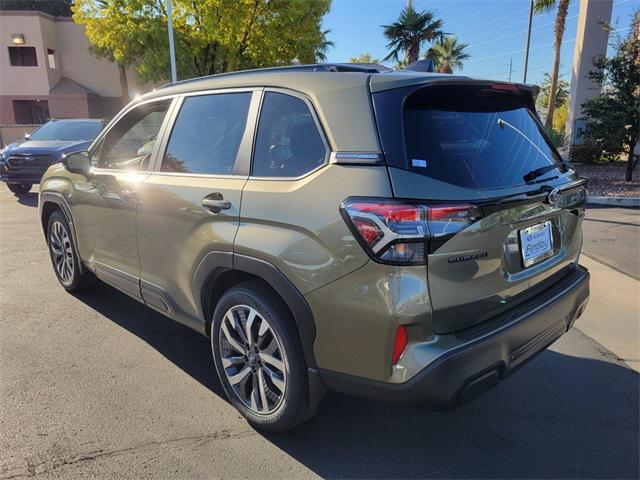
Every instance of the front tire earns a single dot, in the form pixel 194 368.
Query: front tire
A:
pixel 19 188
pixel 66 263
pixel 259 359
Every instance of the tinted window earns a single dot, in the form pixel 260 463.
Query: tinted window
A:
pixel 129 144
pixel 478 141
pixel 71 130
pixel 288 143
pixel 23 57
pixel 207 134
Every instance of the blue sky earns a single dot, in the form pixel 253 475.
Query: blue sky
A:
pixel 494 29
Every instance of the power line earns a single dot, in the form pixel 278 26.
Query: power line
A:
pixel 500 4
pixel 520 50
pixel 497 19
pixel 492 32
pixel 518 33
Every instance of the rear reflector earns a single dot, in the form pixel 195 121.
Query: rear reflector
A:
pixel 399 344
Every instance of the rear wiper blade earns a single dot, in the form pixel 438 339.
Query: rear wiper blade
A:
pixel 533 174
pixel 538 172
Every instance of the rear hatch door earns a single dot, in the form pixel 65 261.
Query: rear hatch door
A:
pixel 517 209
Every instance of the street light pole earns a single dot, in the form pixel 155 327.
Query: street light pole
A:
pixel 172 51
pixel 526 52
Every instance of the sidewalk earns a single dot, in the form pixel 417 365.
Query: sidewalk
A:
pixel 612 317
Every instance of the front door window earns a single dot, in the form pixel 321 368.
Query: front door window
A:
pixel 129 144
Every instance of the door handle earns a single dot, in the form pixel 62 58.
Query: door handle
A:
pixel 215 203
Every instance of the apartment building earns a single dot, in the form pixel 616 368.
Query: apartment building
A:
pixel 47 71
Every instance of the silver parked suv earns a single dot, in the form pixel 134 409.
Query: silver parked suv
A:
pixel 404 236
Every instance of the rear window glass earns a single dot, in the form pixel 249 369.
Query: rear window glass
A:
pixel 480 140
pixel 288 143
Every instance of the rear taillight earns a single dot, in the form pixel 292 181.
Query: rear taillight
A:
pixel 399 232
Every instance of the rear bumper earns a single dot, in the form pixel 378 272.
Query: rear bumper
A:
pixel 486 356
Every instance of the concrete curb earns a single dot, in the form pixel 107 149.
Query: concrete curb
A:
pixel 614 201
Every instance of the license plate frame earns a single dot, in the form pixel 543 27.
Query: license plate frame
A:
pixel 536 243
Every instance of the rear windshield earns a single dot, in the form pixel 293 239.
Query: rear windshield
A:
pixel 474 138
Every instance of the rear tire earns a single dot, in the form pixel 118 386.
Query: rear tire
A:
pixel 66 263
pixel 258 357
pixel 19 188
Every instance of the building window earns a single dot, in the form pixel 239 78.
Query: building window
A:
pixel 51 57
pixel 23 57
pixel 30 112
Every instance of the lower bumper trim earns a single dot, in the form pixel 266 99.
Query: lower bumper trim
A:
pixel 467 371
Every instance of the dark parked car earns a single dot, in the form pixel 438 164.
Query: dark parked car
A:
pixel 23 163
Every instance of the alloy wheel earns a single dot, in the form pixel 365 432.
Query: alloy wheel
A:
pixel 253 360
pixel 62 252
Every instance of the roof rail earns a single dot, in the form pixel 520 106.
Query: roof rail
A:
pixel 318 67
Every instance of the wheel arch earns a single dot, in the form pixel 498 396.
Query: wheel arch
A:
pixel 219 271
pixel 50 202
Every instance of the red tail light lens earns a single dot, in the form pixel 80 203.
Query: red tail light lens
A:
pixel 399 344
pixel 398 232
pixel 509 87
pixel 369 231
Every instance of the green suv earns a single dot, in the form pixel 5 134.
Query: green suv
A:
pixel 403 236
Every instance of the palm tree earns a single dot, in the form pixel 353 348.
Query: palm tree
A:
pixel 325 44
pixel 540 6
pixel 447 54
pixel 409 31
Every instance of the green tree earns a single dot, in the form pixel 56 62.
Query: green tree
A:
pixel 447 54
pixel 561 18
pixel 613 117
pixel 364 58
pixel 562 91
pixel 407 34
pixel 211 36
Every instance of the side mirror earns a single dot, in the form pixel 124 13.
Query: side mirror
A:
pixel 77 162
pixel 27 136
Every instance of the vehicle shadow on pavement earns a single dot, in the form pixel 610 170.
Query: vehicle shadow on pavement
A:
pixel 184 347
pixel 28 199
pixel 561 416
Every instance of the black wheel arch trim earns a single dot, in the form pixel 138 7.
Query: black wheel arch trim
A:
pixel 61 202
pixel 215 263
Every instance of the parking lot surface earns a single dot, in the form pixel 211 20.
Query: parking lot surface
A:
pixel 612 236
pixel 97 385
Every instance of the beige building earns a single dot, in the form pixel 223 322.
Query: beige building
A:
pixel 47 71
pixel 591 41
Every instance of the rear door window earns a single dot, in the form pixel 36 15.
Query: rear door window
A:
pixel 207 134
pixel 288 143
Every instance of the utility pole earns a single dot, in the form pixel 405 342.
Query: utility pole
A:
pixel 172 51
pixel 409 4
pixel 510 67
pixel 526 52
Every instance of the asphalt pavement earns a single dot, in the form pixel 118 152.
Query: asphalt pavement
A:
pixel 612 237
pixel 97 385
